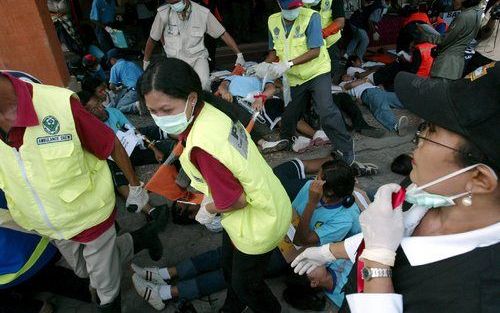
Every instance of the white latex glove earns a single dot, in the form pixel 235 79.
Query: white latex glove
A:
pixel 311 258
pixel 278 69
pixel 262 69
pixel 382 227
pixel 203 216
pixel 240 59
pixel 376 36
pixel 137 198
pixel 412 218
pixel 108 29
pixel 145 64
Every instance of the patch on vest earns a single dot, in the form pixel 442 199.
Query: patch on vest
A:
pixel 276 31
pixel 51 125
pixel 298 34
pixel 238 139
pixel 51 139
pixel 327 3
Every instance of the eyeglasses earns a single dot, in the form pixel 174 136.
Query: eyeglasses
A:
pixel 418 137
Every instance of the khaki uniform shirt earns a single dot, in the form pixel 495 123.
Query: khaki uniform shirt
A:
pixel 184 38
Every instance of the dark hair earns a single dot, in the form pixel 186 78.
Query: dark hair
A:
pixel 402 165
pixel 90 83
pixel 85 96
pixel 177 79
pixel 350 60
pixel 470 3
pixel 339 180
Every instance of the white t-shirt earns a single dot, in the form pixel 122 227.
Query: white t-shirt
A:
pixel 351 70
pixel 357 91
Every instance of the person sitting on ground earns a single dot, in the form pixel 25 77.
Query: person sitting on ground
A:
pixel 378 101
pixel 328 214
pixel 93 68
pixel 115 120
pixel 122 81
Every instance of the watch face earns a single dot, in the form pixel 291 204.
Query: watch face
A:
pixel 365 273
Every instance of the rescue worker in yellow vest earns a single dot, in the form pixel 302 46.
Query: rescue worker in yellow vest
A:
pixel 181 26
pixel 224 164
pixel 57 182
pixel 298 52
pixel 332 21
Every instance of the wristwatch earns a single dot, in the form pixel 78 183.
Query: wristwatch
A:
pixel 367 273
pixel 290 64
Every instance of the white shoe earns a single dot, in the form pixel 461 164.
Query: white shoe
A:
pixel 320 138
pixel 151 274
pixel 138 106
pixel 402 126
pixel 273 146
pixel 301 144
pixel 149 292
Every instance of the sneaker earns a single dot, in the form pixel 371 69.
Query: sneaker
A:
pixel 320 138
pixel 301 144
pixel 274 146
pixel 364 169
pixel 371 132
pixel 138 107
pixel 150 274
pixel 402 126
pixel 149 292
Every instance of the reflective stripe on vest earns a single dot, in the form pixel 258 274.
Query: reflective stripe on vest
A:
pixel 37 253
pixel 288 48
pixel 326 19
pixel 52 184
pixel 426 58
pixel 262 224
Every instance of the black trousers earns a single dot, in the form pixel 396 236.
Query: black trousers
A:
pixel 319 90
pixel 349 107
pixel 476 61
pixel 244 275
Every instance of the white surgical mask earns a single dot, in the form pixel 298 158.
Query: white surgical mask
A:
pixel 311 2
pixel 179 6
pixel 418 196
pixel 290 15
pixel 173 124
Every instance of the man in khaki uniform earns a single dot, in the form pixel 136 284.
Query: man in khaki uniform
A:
pixel 181 26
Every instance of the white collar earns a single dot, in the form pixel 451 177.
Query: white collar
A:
pixel 422 250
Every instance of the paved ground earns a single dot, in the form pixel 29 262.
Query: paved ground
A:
pixel 182 242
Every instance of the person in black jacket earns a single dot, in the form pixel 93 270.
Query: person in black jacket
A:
pixel 442 254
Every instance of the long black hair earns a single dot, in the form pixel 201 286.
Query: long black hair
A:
pixel 177 79
pixel 339 180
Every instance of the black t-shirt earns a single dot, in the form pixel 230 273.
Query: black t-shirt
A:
pixel 337 8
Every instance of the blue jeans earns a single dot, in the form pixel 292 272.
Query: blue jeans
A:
pixel 202 275
pixel 125 101
pixel 359 42
pixel 380 103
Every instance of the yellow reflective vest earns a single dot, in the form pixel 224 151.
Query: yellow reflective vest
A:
pixel 288 48
pixel 52 185
pixel 326 19
pixel 262 224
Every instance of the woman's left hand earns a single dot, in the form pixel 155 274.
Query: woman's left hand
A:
pixel 316 190
pixel 258 105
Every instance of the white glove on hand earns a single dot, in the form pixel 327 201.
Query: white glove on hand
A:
pixel 108 29
pixel 240 59
pixel 137 198
pixel 145 64
pixel 203 216
pixel 412 218
pixel 311 258
pixel 278 69
pixel 382 227
pixel 376 36
pixel 262 70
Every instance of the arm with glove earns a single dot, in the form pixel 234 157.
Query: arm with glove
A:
pixel 138 196
pixel 336 26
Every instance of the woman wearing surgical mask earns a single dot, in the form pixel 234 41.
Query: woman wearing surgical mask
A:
pixel 224 164
pixel 443 254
